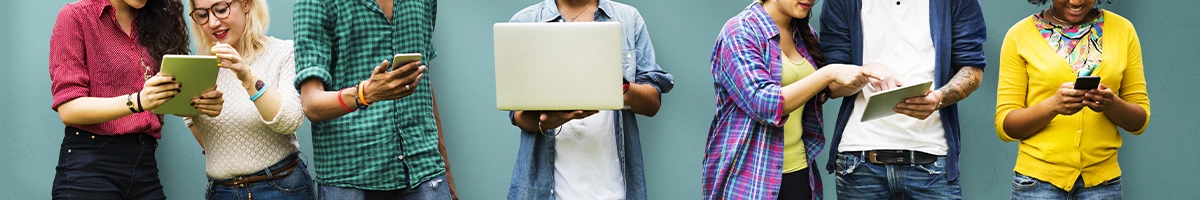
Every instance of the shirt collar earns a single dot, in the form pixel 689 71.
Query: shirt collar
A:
pixel 550 10
pixel 766 25
pixel 759 15
pixel 99 7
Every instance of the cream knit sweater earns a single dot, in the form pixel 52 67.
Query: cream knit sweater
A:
pixel 239 141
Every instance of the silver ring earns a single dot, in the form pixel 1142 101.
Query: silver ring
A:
pixel 406 88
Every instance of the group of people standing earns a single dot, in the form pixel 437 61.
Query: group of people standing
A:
pixel 377 135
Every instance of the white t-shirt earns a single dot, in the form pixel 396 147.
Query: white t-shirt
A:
pixel 586 165
pixel 896 33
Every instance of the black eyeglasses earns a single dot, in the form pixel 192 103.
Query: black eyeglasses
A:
pixel 220 10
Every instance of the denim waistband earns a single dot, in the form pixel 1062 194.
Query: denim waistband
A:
pixel 275 167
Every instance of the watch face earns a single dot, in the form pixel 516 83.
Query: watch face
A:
pixel 258 85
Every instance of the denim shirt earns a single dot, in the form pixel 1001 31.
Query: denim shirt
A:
pixel 533 173
pixel 958 32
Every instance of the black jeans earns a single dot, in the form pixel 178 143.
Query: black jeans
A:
pixel 107 167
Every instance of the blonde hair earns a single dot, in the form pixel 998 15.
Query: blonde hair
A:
pixel 253 38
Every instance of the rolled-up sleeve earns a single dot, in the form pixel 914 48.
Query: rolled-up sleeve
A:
pixel 648 71
pixel 1133 84
pixel 290 115
pixel 68 72
pixel 739 69
pixel 314 42
pixel 1013 86
pixel 969 32
pixel 835 33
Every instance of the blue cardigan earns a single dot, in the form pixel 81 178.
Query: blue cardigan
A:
pixel 958 34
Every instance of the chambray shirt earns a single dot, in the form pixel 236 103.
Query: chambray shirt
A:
pixel 392 144
pixel 533 173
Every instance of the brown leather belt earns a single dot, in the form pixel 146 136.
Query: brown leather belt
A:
pixel 277 174
pixel 896 156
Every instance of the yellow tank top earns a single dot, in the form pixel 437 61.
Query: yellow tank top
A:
pixel 794 158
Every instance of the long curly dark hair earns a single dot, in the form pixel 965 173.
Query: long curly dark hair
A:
pixel 1040 2
pixel 161 28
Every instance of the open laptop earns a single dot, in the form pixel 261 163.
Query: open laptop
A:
pixel 558 66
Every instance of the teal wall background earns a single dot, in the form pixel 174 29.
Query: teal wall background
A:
pixel 1161 164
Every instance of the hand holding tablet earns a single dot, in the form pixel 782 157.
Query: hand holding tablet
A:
pixel 198 72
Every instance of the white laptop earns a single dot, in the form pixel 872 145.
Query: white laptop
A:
pixel 558 66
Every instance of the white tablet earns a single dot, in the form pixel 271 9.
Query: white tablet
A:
pixel 881 104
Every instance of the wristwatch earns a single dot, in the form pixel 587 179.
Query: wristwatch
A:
pixel 258 85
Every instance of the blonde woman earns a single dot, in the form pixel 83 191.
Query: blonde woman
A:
pixel 250 150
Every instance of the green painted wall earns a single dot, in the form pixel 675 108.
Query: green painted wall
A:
pixel 1161 164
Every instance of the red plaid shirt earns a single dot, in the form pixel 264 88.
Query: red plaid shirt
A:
pixel 743 158
pixel 91 57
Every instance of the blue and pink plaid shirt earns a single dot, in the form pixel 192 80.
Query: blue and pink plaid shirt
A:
pixel 744 155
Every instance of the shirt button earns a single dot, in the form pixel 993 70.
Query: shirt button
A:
pixel 93 137
pixel 551 191
pixel 68 151
pixel 76 133
pixel 400 158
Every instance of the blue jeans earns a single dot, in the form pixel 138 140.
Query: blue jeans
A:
pixel 858 178
pixel 1025 187
pixel 434 189
pixel 295 186
pixel 106 167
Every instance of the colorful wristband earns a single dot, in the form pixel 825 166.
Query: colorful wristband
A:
pixel 343 103
pixel 259 94
pixel 362 100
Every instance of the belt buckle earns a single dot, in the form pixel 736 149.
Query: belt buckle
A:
pixel 238 183
pixel 873 157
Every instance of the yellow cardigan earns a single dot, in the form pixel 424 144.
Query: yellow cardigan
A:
pixel 1085 143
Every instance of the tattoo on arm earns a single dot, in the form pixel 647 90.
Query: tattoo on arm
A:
pixel 964 82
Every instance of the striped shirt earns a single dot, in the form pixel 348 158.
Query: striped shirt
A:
pixel 743 158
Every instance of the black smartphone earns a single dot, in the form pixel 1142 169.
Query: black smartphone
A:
pixel 1087 82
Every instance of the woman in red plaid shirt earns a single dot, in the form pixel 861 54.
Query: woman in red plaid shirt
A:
pixel 770 80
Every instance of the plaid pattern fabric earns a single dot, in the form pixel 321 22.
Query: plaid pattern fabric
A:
pixel 744 155
pixel 392 144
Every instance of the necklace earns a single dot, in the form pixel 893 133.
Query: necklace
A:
pixel 580 13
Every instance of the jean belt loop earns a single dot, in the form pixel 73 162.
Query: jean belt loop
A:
pixel 270 176
pixel 912 156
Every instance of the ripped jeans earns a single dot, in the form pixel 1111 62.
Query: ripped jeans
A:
pixel 858 178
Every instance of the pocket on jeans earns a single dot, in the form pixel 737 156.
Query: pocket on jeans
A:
pixel 845 164
pixel 1023 182
pixel 297 181
pixel 938 167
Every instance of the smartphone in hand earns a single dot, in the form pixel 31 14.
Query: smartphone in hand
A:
pixel 403 59
pixel 1087 82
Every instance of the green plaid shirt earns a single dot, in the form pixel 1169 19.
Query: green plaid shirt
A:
pixel 392 144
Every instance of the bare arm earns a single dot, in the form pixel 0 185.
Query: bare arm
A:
pixel 442 144
pixel 799 92
pixel 321 105
pixel 961 86
pixel 93 110
pixel 643 99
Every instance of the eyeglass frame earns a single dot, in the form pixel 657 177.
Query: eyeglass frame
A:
pixel 209 11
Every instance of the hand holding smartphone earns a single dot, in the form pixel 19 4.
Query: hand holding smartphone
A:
pixel 403 59
pixel 1087 82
